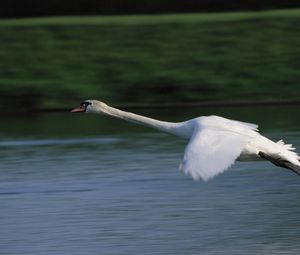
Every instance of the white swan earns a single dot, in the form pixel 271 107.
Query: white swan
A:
pixel 214 142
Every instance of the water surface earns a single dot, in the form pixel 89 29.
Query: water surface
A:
pixel 86 184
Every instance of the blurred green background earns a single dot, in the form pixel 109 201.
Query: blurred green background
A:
pixel 54 62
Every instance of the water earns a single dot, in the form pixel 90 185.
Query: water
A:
pixel 84 184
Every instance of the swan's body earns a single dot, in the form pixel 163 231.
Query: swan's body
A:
pixel 214 142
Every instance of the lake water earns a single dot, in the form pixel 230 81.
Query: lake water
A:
pixel 87 184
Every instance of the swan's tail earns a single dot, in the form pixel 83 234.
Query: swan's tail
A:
pixel 280 162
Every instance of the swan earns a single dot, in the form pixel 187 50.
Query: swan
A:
pixel 215 143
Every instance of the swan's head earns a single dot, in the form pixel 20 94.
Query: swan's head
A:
pixel 90 106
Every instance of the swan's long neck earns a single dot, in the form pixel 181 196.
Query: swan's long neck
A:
pixel 169 127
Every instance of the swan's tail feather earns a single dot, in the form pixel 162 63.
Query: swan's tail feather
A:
pixel 280 162
pixel 289 147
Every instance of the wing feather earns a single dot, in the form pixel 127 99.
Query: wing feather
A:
pixel 210 152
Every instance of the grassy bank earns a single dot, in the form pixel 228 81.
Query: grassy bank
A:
pixel 53 62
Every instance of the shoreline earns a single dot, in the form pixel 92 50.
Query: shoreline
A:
pixel 174 105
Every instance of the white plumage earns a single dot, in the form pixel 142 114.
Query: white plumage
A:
pixel 215 143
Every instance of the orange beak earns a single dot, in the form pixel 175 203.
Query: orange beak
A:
pixel 79 109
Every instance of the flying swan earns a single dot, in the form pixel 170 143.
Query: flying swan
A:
pixel 214 142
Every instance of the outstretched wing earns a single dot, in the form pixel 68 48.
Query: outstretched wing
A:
pixel 210 152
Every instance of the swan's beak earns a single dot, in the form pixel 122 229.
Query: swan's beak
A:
pixel 79 109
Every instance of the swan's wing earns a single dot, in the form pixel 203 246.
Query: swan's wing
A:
pixel 210 152
pixel 223 123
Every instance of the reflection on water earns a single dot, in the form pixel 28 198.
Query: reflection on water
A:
pixel 74 184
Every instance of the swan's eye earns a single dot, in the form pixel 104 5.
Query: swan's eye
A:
pixel 84 105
